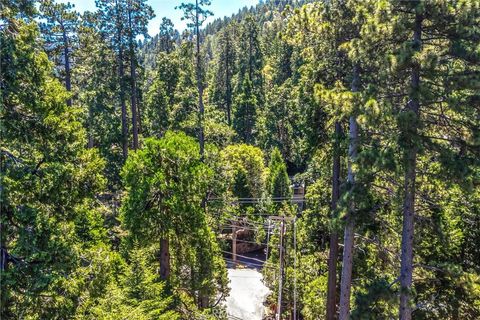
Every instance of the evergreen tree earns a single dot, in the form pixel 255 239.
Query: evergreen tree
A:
pixel 161 94
pixel 222 91
pixel 139 14
pixel 167 36
pixel 278 180
pixel 96 81
pixel 112 18
pixel 59 32
pixel 165 183
pixel 196 14
pixel 48 181
pixel 245 105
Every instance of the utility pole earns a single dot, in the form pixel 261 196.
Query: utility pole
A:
pixel 280 280
pixel 234 243
pixel 295 269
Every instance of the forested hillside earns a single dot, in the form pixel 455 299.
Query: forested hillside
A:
pixel 134 167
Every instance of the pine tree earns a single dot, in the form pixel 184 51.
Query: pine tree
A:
pixel 48 180
pixel 278 181
pixel 112 20
pixel 196 14
pixel 165 183
pixel 245 105
pixel 427 57
pixel 166 36
pixel 139 13
pixel 59 31
pixel 225 68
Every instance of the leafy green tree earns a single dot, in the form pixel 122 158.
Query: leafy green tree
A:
pixel 245 176
pixel 138 295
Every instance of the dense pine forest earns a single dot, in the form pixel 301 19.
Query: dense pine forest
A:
pixel 338 138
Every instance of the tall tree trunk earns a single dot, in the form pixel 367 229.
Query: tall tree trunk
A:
pixel 121 78
pixel 164 258
pixel 68 76
pixel 406 270
pixel 228 85
pixel 201 115
pixel 349 237
pixel 133 79
pixel 333 254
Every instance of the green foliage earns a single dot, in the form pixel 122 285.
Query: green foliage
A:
pixel 245 105
pixel 50 225
pixel 245 171
pixel 165 183
pixel 136 295
pixel 278 180
pixel 278 78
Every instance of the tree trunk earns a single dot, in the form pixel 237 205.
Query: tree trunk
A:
pixel 68 81
pixel 133 79
pixel 164 259
pixel 201 115
pixel 228 85
pixel 121 78
pixel 333 254
pixel 349 237
pixel 406 270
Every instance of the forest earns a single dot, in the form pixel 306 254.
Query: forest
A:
pixel 340 138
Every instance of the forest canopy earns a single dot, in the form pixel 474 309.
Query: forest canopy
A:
pixel 341 136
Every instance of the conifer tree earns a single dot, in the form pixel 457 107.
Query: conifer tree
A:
pixel 166 36
pixel 139 13
pixel 196 14
pixel 166 182
pixel 222 91
pixel 60 32
pixel 428 49
pixel 246 105
pixel 48 181
pixel 112 19
pixel 278 180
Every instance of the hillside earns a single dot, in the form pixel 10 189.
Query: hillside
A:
pixel 328 152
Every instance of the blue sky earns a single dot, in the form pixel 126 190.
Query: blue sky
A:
pixel 166 8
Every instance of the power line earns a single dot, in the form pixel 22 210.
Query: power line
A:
pixel 246 257
pixel 251 264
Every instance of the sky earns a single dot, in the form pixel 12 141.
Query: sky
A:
pixel 166 8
